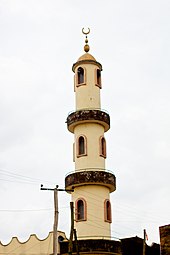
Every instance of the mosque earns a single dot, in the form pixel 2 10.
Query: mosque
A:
pixel 91 218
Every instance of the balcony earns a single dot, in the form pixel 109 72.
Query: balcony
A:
pixel 91 177
pixel 86 116
pixel 98 246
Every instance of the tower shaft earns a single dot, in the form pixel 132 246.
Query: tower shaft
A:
pixel 92 183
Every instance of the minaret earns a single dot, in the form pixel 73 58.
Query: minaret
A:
pixel 92 182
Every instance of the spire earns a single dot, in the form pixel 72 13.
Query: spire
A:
pixel 86 46
pixel 90 179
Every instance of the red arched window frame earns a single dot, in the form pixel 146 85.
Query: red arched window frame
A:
pixel 102 146
pixel 81 146
pixel 107 211
pixel 81 209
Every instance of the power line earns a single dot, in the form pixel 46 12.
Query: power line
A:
pixel 30 210
pixel 22 177
pixel 21 182
pixel 25 210
pixel 129 210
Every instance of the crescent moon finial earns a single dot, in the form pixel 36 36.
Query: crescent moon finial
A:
pixel 85 32
pixel 86 46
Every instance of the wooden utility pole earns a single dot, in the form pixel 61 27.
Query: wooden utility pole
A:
pixel 72 233
pixel 56 212
pixel 144 241
pixel 55 221
pixel 76 242
pixel 70 247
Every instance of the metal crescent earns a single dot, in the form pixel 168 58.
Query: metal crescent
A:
pixel 85 33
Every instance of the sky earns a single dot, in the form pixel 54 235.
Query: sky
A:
pixel 39 42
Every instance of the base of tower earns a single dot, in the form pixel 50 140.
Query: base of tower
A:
pixel 98 246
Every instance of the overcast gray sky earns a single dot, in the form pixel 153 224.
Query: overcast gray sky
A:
pixel 39 42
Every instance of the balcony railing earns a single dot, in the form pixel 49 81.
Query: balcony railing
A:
pixel 91 176
pixel 89 169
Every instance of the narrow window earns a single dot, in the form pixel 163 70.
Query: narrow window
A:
pixel 102 147
pixel 80 74
pixel 80 209
pixel 81 146
pixel 107 208
pixel 98 78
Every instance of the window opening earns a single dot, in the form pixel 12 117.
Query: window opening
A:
pixel 80 73
pixel 108 211
pixel 98 73
pixel 80 210
pixel 81 146
pixel 102 147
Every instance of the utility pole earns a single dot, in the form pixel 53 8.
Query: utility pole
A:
pixel 144 241
pixel 70 246
pixel 55 221
pixel 72 233
pixel 56 212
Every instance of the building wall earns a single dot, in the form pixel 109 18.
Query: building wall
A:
pixel 92 132
pixel 87 95
pixel 94 247
pixel 165 239
pixel 33 246
pixel 95 226
pixel 134 246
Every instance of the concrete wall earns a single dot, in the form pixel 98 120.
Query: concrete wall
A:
pixel 33 246
pixel 87 95
pixel 95 226
pixel 165 239
pixel 92 132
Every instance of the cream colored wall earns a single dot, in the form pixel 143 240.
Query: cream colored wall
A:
pixel 94 227
pixel 88 95
pixel 33 246
pixel 93 132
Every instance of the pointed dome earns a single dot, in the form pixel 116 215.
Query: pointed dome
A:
pixel 86 59
pixel 86 56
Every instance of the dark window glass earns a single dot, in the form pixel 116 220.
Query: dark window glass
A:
pixel 108 211
pixel 98 77
pixel 103 147
pixel 81 145
pixel 80 210
pixel 80 73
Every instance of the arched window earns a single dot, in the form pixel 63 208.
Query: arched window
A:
pixel 107 211
pixel 80 209
pixel 102 147
pixel 81 146
pixel 98 78
pixel 80 75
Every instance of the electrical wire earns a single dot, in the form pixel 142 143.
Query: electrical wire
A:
pixel 127 210
pixel 22 177
pixel 30 210
pixel 27 210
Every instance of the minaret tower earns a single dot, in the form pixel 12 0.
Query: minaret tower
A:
pixel 92 182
